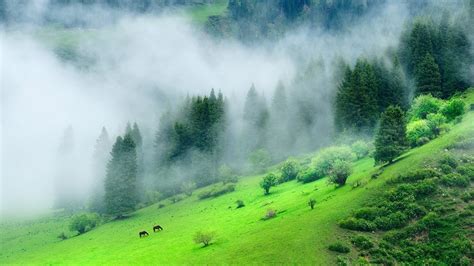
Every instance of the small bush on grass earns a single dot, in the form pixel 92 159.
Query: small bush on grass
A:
pixel 84 222
pixel 311 203
pixel 204 238
pixel 308 175
pixel 62 236
pixel 355 224
pixel 339 247
pixel 362 242
pixel 424 105
pixel 270 214
pixel 240 204
pixel 324 162
pixel 340 172
pixel 188 188
pixel 360 149
pixel 176 198
pixel 216 190
pixel 289 170
pixel 268 181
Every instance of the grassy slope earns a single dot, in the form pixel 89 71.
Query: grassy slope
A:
pixel 297 235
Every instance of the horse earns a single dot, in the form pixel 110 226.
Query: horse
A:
pixel 143 234
pixel 157 228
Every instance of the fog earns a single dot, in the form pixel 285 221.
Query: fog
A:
pixel 134 69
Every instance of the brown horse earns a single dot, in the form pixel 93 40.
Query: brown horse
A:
pixel 143 234
pixel 157 228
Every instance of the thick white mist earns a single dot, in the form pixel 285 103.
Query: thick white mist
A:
pixel 143 64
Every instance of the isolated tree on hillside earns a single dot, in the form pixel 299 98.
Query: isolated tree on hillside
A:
pixel 428 78
pixel 268 181
pixel 121 178
pixel 390 139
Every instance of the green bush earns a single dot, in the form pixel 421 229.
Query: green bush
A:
pixel 417 175
pixel 391 221
pixel 308 175
pixel 188 187
pixel 84 222
pixel 339 247
pixel 152 197
pixel 216 190
pixel 268 181
pixel 424 105
pixel 362 242
pixel 340 172
pixel 455 180
pixel 259 160
pixel 453 108
pixel 325 159
pixel 355 224
pixel 418 130
pixel 360 148
pixel 467 171
pixel 311 203
pixel 227 175
pixel 240 204
pixel 369 213
pixel 436 122
pixel 289 170
pixel 449 159
pixel 204 238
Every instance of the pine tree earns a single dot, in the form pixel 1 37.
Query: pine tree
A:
pixel 390 139
pixel 428 78
pixel 100 158
pixel 121 180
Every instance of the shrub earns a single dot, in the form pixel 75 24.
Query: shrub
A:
pixel 311 203
pixel 454 180
pixel 84 222
pixel 467 171
pixel 62 236
pixel 204 238
pixel 240 204
pixel 227 175
pixel 308 175
pixel 339 247
pixel 161 205
pixel 323 163
pixel 152 197
pixel 355 224
pixel 362 242
pixel 216 190
pixel 369 213
pixel 268 181
pixel 453 109
pixel 450 160
pixel 360 149
pixel 418 130
pixel 391 221
pixel 270 214
pixel 289 170
pixel 420 174
pixel 259 159
pixel 424 105
pixel 340 172
pixel 188 188
pixel 176 198
pixel 436 123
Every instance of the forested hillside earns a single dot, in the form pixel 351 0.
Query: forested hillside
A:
pixel 239 131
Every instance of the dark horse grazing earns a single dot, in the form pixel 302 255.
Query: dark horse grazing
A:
pixel 157 228
pixel 143 233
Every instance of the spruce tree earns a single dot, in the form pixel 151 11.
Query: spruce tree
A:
pixel 428 78
pixel 121 180
pixel 390 139
pixel 100 158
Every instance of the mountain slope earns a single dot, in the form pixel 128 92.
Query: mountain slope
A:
pixel 297 235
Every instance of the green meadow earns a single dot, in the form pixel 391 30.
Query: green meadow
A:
pixel 297 235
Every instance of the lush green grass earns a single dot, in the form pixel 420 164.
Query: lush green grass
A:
pixel 298 235
pixel 200 13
